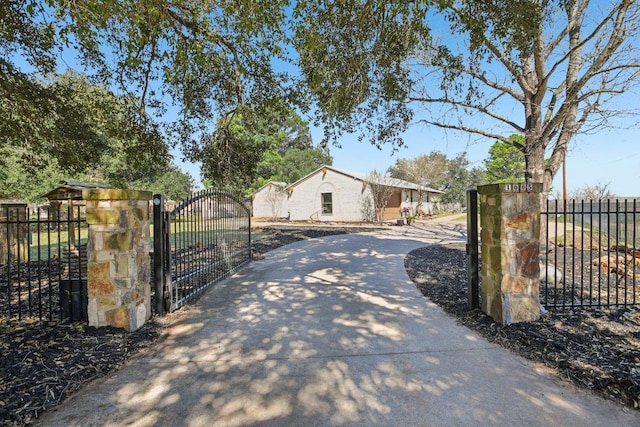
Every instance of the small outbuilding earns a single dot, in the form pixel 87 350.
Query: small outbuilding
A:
pixel 74 254
pixel 71 190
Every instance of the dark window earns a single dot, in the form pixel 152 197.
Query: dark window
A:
pixel 327 203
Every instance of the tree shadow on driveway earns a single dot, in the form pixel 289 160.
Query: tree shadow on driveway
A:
pixel 326 332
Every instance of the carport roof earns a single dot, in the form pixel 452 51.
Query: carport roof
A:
pixel 72 190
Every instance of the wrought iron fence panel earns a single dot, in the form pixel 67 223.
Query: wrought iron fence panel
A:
pixel 592 253
pixel 43 263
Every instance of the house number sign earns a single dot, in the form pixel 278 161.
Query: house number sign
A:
pixel 518 188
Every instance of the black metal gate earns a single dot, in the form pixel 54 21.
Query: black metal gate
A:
pixel 196 244
pixel 592 255
pixel 473 250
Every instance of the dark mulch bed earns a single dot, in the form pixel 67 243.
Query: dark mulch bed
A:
pixel 598 349
pixel 42 364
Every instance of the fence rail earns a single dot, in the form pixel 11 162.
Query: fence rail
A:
pixel 593 256
pixel 43 263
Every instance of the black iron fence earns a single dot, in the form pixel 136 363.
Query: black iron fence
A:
pixel 203 240
pixel 592 255
pixel 43 264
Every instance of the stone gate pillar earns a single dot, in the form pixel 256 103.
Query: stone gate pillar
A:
pixel 119 265
pixel 510 222
pixel 14 232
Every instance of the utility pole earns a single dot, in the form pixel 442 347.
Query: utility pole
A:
pixel 564 177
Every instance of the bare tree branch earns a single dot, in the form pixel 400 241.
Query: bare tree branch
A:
pixel 502 57
pixel 475 107
pixel 468 130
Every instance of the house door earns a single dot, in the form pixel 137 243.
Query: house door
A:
pixel 393 206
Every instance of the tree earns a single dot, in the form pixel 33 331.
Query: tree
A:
pixel 381 191
pixel 27 185
pixel 427 170
pixel 206 59
pixel 79 126
pixel 505 162
pixel 58 125
pixel 170 181
pixel 275 147
pixel 593 192
pixel 125 156
pixel 297 163
pixel 284 132
pixel 353 58
pixel 562 63
pixel 275 197
pixel 232 153
pixel 460 179
pixel 290 167
pixel 435 170
pixel 27 105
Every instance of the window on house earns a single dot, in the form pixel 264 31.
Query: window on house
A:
pixel 327 203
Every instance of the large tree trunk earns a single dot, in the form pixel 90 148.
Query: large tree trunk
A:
pixel 536 172
pixel 534 162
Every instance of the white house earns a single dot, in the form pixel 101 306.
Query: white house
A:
pixel 269 201
pixel 331 194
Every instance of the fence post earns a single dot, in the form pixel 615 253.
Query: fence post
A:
pixel 473 278
pixel 118 270
pixel 510 220
pixel 159 252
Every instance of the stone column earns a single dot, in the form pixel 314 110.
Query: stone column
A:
pixel 510 248
pixel 14 232
pixel 119 265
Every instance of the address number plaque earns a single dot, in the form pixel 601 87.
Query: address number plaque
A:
pixel 518 188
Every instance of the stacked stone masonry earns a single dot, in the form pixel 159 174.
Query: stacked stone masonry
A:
pixel 510 234
pixel 119 290
pixel 14 242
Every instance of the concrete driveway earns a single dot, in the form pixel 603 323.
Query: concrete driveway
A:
pixel 330 332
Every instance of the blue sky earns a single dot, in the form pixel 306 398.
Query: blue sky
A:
pixel 611 156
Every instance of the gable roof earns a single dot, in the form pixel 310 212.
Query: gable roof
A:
pixel 279 184
pixel 360 176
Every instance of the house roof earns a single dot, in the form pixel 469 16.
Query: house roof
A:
pixel 280 184
pixel 364 177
